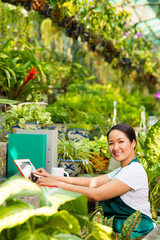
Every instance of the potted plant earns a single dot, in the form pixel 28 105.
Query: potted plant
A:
pixel 33 114
pixel 101 153
pixel 79 130
pixel 75 156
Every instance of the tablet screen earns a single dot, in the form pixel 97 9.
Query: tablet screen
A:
pixel 25 167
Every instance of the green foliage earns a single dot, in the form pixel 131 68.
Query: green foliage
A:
pixel 15 66
pixel 23 113
pixel 147 151
pixel 76 150
pixel 130 224
pixel 152 145
pixel 59 114
pixel 152 158
pixel 57 216
pixel 94 106
pixel 100 146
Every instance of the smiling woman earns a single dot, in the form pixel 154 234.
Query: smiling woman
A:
pixel 122 142
pixel 123 191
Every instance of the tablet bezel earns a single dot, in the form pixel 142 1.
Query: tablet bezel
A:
pixel 18 163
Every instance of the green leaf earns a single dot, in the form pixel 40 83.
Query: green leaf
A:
pixel 26 234
pixel 19 212
pixel 152 145
pixel 63 236
pixel 63 219
pixel 130 225
pixel 17 186
pixel 7 101
pixel 16 214
pixel 116 236
pixel 57 197
pixel 109 222
pixel 71 206
pixel 100 232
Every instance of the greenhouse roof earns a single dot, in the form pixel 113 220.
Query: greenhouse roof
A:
pixel 146 15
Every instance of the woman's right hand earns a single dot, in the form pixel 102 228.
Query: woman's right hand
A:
pixel 42 172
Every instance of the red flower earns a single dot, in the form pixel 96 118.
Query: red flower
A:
pixel 30 75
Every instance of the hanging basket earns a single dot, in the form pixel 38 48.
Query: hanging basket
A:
pixel 38 5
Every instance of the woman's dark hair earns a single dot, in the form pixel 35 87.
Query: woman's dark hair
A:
pixel 126 129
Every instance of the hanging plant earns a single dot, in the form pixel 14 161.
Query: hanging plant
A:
pixel 38 5
pixel 56 16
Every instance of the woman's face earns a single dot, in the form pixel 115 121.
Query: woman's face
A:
pixel 120 146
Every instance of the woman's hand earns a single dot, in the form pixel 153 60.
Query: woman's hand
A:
pixel 42 172
pixel 47 181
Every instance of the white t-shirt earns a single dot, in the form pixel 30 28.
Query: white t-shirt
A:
pixel 135 177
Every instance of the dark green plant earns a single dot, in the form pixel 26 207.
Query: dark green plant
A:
pixel 130 224
pixel 58 114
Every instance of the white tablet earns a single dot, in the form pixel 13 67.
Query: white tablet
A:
pixel 26 168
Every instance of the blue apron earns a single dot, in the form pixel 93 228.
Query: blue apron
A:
pixel 121 211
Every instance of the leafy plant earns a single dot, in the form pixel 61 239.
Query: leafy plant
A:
pixel 130 224
pixel 152 157
pixel 23 113
pixel 101 153
pixel 147 151
pixel 57 215
pixel 76 150
pixel 21 74
pixel 58 114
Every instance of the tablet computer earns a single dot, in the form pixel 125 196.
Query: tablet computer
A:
pixel 26 168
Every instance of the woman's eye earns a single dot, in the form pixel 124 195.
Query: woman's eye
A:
pixel 110 144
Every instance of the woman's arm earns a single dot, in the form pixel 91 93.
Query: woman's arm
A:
pixel 92 182
pixel 105 191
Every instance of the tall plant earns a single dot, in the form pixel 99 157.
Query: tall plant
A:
pixel 152 155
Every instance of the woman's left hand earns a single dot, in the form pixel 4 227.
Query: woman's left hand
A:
pixel 47 181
